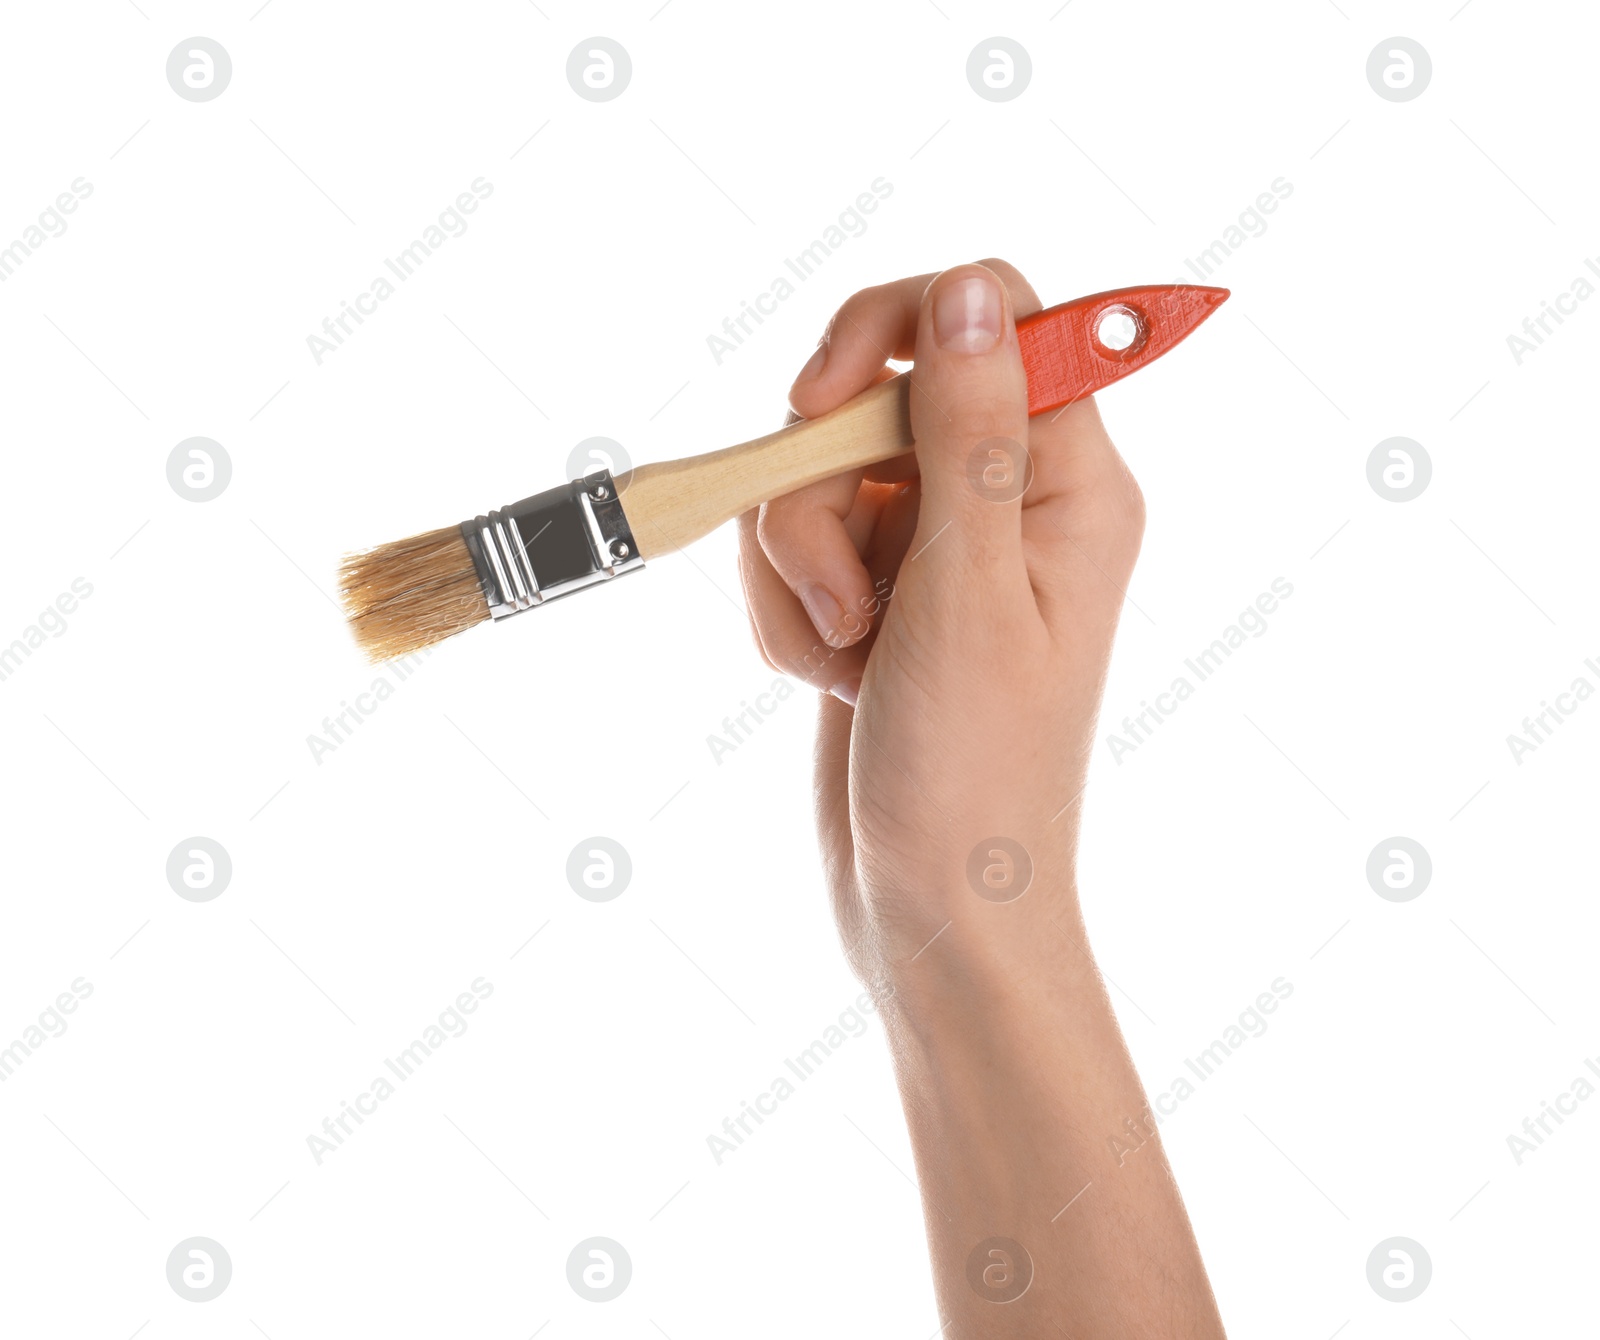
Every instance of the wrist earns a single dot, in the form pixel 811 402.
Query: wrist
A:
pixel 985 968
pixel 1005 1050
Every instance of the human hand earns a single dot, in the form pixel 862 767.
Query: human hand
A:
pixel 962 622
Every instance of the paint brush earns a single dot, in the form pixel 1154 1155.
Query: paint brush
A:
pixel 407 595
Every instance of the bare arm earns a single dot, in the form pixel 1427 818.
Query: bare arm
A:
pixel 1019 1094
pixel 960 613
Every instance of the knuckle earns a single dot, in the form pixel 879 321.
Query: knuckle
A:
pixel 1127 498
pixel 1115 509
pixel 1134 506
pixel 851 309
pixel 976 413
pixel 774 525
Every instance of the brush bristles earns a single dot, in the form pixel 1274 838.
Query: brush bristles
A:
pixel 402 597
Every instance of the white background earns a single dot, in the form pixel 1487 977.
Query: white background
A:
pixel 372 887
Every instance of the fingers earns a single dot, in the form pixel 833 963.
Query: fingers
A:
pixel 815 573
pixel 1082 501
pixel 785 632
pixel 810 595
pixel 806 539
pixel 1024 301
pixel 1077 467
pixel 1084 522
pixel 969 413
pixel 872 327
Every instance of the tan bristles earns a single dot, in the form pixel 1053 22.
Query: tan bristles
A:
pixel 405 596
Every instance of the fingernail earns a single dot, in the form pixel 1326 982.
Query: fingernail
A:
pixel 967 315
pixel 813 367
pixel 847 690
pixel 823 609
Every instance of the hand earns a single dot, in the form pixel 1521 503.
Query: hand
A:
pixel 961 621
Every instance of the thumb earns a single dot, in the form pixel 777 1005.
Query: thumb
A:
pixel 969 416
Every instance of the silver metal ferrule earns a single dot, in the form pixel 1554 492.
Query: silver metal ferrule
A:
pixel 551 544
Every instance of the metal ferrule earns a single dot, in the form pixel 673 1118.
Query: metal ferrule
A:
pixel 551 544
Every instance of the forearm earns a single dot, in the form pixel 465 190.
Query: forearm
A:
pixel 974 716
pixel 1016 1082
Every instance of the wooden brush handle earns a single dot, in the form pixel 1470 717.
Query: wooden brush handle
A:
pixel 670 504
pixel 673 503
